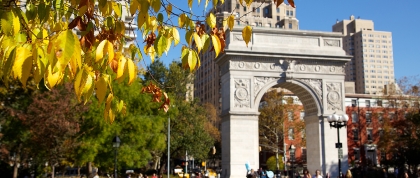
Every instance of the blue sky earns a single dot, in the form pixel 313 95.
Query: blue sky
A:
pixel 399 17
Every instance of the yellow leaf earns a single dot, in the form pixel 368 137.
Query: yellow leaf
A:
pixel 22 66
pixel 79 83
pixel 222 1
pixel 181 20
pixel 150 52
pixel 206 41
pixel 216 44
pixel 211 20
pixel 156 5
pixel 52 78
pixel 16 24
pixel 64 47
pixel 41 63
pixel 160 45
pixel 121 65
pixel 188 37
pixel 108 111
pixel 246 34
pixel 142 18
pixel 101 87
pixel 131 70
pixel 89 87
pixel 175 35
pixel 152 23
pixel 215 3
pixel 195 61
pixel 190 3
pixel 184 57
pixel 248 2
pixel 134 5
pixel 241 2
pixel 169 9
pixel 198 42
pixel 231 21
pixel 117 8
pixel 168 44
pixel 104 47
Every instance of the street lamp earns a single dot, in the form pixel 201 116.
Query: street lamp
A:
pixel 292 150
pixel 338 121
pixel 116 143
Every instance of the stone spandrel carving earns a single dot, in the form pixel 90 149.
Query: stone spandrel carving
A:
pixel 315 84
pixel 335 43
pixel 260 82
pixel 334 98
pixel 242 93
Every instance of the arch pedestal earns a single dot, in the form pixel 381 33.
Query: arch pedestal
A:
pixel 310 64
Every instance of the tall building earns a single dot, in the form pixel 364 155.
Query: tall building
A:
pixel 260 14
pixel 372 64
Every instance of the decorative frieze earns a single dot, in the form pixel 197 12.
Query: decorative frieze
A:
pixel 328 42
pixel 316 68
pixel 242 93
pixel 257 66
pixel 334 98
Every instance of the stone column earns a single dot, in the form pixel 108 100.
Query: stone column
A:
pixel 320 142
pixel 239 144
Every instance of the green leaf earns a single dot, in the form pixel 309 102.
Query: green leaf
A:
pixel 160 45
pixel 206 42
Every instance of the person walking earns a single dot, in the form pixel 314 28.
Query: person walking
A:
pixel 306 174
pixel 328 175
pixel 317 174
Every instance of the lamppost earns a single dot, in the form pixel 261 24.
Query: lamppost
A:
pixel 116 143
pixel 338 121
pixel 292 150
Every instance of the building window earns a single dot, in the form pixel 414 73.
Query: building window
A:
pixel 258 10
pixel 368 117
pixel 369 133
pixel 381 132
pixel 278 10
pixel 287 12
pixel 304 154
pixel 391 116
pixel 237 6
pixel 290 115
pixel 290 134
pixel 244 8
pixel 380 117
pixel 355 134
pixel 290 25
pixel 367 102
pixel 354 117
pixel 353 103
pixel 356 153
pixel 302 115
pixel 278 18
pixel 291 13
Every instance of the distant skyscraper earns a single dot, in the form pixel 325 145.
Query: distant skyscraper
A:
pixel 260 14
pixel 372 64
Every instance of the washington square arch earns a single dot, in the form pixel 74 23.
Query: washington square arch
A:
pixel 308 63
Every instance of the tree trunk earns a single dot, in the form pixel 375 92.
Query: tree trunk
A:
pixel 78 171
pixel 53 171
pixel 89 169
pixel 15 170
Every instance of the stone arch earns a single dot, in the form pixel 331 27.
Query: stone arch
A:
pixel 311 98
pixel 310 64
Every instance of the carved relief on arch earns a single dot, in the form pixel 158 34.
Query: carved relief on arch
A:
pixel 334 98
pixel 315 84
pixel 242 93
pixel 260 82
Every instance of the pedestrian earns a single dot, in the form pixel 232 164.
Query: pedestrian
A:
pixel 154 175
pixel 406 175
pixel 251 174
pixel 317 174
pixel 327 175
pixel 306 174
pixel 385 173
pixel 348 174
pixel 96 175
